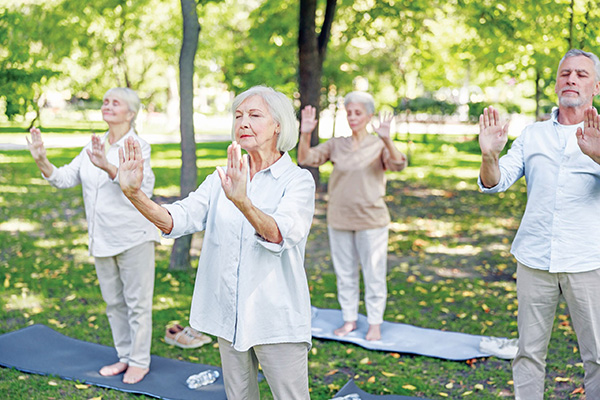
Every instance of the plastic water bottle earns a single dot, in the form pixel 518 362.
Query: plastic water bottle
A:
pixel 351 396
pixel 202 379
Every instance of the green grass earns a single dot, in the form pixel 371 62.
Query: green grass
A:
pixel 449 261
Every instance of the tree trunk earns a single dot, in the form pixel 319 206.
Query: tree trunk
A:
pixel 311 54
pixel 180 255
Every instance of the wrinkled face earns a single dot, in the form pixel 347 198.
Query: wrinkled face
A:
pixel 254 127
pixel 357 116
pixel 115 110
pixel 576 83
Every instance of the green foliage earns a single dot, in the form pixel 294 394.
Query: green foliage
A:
pixel 449 268
pixel 428 105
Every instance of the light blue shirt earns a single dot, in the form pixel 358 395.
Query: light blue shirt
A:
pixel 560 229
pixel 249 291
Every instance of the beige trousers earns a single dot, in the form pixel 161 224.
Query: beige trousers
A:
pixel 538 293
pixel 285 366
pixel 369 248
pixel 127 285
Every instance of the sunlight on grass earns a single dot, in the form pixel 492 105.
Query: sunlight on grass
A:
pixel 6 158
pixel 166 303
pixel 166 163
pixel 26 301
pixel 466 250
pixel 18 225
pixel 13 189
pixel 50 243
pixel 168 191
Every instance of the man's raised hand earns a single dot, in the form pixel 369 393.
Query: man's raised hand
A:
pixel 492 134
pixel 588 138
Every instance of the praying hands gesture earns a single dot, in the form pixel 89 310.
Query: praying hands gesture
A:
pixel 588 138
pixel 233 180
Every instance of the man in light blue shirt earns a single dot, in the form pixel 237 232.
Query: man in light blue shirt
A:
pixel 557 245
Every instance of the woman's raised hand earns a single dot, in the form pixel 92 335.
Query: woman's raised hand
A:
pixel 36 145
pixel 234 179
pixel 97 155
pixel 492 134
pixel 308 120
pixel 385 122
pixel 131 167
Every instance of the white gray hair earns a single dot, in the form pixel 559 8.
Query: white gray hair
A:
pixel 281 110
pixel 363 98
pixel 591 56
pixel 129 96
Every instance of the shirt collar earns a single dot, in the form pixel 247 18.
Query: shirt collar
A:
pixel 279 167
pixel 119 142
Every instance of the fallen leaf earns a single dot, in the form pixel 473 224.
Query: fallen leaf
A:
pixel 332 372
pixel 371 379
pixel 80 386
pixel 561 379
pixel 579 390
pixel 409 387
pixel 388 374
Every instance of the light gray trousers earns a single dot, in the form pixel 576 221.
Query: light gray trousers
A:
pixel 285 366
pixel 538 293
pixel 127 286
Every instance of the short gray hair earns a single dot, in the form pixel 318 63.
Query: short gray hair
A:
pixel 281 110
pixel 591 56
pixel 129 96
pixel 363 98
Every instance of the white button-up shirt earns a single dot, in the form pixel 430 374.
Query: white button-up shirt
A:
pixel 114 224
pixel 249 291
pixel 560 229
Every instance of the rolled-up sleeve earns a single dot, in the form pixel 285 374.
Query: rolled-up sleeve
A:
pixel 190 214
pixel 319 154
pixel 512 168
pixel 68 175
pixel 294 213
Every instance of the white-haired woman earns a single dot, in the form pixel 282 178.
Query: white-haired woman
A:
pixel 251 289
pixel 357 216
pixel 120 239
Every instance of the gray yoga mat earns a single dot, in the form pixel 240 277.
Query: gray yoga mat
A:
pixel 351 392
pixel 403 338
pixel 41 350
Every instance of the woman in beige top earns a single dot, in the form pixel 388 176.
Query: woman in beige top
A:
pixel 357 216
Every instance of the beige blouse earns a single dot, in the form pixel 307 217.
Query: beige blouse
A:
pixel 357 184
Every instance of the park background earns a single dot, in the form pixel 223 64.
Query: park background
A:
pixel 436 64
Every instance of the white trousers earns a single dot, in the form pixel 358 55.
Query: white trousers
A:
pixel 369 248
pixel 538 294
pixel 285 366
pixel 127 285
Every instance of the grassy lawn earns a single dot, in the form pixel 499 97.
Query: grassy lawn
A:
pixel 449 269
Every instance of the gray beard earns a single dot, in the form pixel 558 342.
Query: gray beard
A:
pixel 570 102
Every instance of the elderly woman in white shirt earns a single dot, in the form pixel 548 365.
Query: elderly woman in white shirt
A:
pixel 251 288
pixel 125 268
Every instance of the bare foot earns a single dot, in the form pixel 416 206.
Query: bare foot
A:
pixel 113 369
pixel 135 374
pixel 374 332
pixel 345 329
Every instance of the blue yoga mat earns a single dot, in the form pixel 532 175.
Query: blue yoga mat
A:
pixel 350 392
pixel 403 338
pixel 41 350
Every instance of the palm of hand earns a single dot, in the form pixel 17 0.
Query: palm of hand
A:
pixel 493 138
